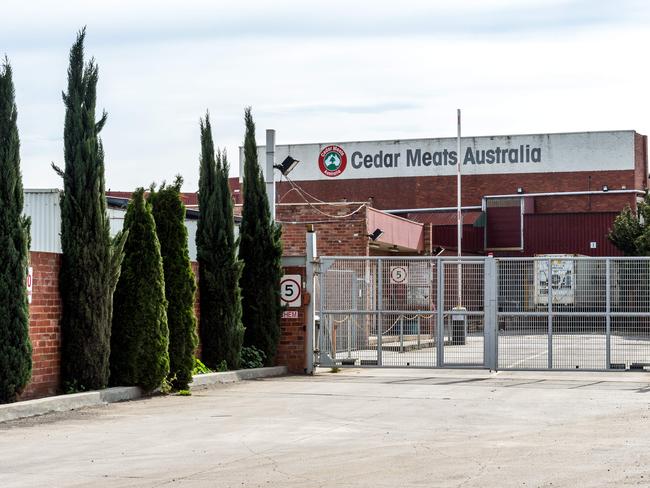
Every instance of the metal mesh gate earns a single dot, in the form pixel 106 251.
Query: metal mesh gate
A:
pixel 595 319
pixel 400 312
pixel 506 313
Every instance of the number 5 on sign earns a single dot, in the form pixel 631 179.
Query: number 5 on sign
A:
pixel 291 290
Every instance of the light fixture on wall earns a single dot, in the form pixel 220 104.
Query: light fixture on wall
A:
pixel 605 188
pixel 376 234
pixel 520 190
pixel 287 165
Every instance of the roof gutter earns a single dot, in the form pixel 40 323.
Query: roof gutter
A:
pixel 430 209
pixel 566 193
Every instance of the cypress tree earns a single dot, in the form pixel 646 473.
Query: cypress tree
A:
pixel 15 348
pixel 140 339
pixel 180 284
pixel 261 250
pixel 221 328
pixel 91 262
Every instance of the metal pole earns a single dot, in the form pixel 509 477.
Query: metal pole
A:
pixel 549 309
pixel 311 309
pixel 380 304
pixel 440 316
pixel 608 325
pixel 270 177
pixel 459 215
pixel 401 333
pixel 419 326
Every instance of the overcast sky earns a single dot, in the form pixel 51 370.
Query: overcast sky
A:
pixel 321 72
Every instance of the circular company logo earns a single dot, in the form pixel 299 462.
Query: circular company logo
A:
pixel 332 161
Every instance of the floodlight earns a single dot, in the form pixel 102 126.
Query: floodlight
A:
pixel 287 165
pixel 377 233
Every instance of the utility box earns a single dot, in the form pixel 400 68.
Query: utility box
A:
pixel 458 326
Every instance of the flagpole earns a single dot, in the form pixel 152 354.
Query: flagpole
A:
pixel 459 215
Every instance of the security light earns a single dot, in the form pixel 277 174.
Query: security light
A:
pixel 287 165
pixel 520 190
pixel 605 188
pixel 376 234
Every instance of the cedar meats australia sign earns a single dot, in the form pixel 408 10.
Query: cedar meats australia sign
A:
pixel 532 153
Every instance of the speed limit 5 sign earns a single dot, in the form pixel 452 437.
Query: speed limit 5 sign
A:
pixel 291 290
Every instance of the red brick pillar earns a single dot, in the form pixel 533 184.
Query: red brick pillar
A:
pixel 292 347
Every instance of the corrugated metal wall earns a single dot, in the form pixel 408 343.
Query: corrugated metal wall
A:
pixel 569 234
pixel 42 206
pixel 446 236
pixel 117 222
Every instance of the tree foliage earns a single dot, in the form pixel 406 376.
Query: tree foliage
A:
pixel 15 347
pixel 180 283
pixel 261 250
pixel 91 262
pixel 631 230
pixel 222 332
pixel 140 339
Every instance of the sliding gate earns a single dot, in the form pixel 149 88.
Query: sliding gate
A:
pixel 382 311
pixel 501 313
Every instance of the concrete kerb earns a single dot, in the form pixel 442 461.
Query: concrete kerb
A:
pixel 205 380
pixel 63 403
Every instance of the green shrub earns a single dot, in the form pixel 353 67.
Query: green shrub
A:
pixel 180 283
pixel 140 338
pixel 252 357
pixel 15 348
pixel 200 368
pixel 90 263
pixel 260 249
pixel 221 329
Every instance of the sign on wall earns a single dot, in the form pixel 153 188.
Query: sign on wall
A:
pixel 291 290
pixel 30 283
pixel 533 153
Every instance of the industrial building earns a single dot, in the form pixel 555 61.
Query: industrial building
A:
pixel 522 195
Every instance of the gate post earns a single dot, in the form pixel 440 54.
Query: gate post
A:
pixel 310 312
pixel 490 309
pixel 549 311
pixel 380 305
pixel 440 312
pixel 608 311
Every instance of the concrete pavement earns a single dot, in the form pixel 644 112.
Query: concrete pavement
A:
pixel 375 428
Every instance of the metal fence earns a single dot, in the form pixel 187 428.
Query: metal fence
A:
pixel 500 313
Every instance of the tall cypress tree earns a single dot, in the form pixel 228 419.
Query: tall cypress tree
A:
pixel 221 328
pixel 15 348
pixel 180 284
pixel 140 339
pixel 91 262
pixel 261 250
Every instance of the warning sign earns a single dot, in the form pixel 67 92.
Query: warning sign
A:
pixel 291 290
pixel 399 275
pixel 30 283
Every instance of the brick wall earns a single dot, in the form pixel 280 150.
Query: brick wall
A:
pixel 45 326
pixel 602 202
pixel 334 236
pixel 440 191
